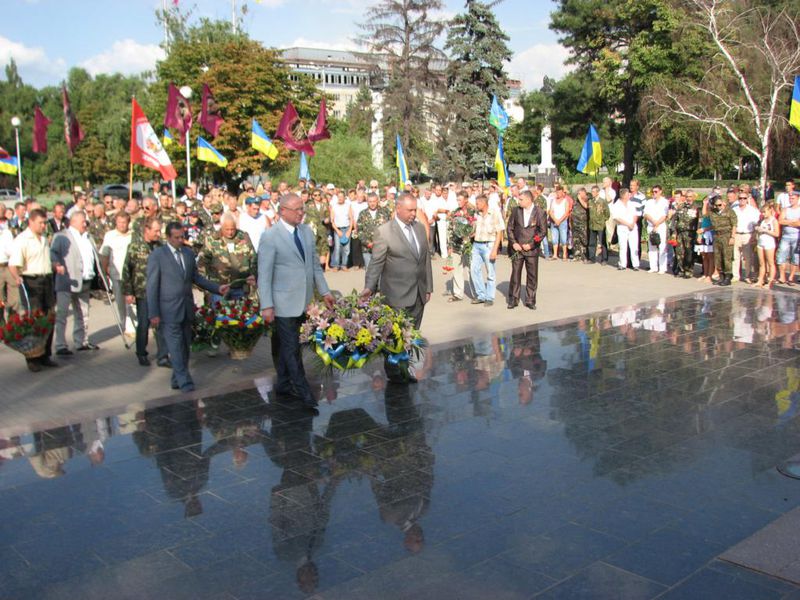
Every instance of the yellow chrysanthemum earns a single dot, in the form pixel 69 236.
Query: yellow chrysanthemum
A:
pixel 336 332
pixel 363 337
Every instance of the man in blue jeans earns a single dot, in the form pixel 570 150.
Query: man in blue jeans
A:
pixel 488 228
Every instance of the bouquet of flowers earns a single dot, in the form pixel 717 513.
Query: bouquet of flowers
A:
pixel 204 332
pixel 27 333
pixel 239 325
pixel 462 228
pixel 357 330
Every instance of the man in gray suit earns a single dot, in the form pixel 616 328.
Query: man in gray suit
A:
pixel 171 271
pixel 288 272
pixel 72 255
pixel 400 269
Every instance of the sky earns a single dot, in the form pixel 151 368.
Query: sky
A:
pixel 48 37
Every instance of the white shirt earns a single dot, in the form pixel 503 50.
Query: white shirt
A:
pixel 358 208
pixel 655 209
pixel 494 201
pixel 31 254
pixel 439 203
pixel 526 215
pixel 619 210
pixel 87 254
pixel 747 218
pixel 6 241
pixel 609 194
pixel 783 200
pixel 341 214
pixel 289 228
pixel 115 246
pixel 408 231
pixel 177 257
pixel 254 227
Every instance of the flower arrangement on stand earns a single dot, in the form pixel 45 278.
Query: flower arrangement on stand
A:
pixel 356 330
pixel 240 326
pixel 27 333
pixel 204 332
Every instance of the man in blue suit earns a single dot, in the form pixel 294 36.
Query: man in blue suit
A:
pixel 288 272
pixel 171 271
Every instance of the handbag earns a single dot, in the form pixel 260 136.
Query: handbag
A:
pixel 655 238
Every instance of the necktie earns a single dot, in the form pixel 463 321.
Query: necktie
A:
pixel 179 258
pixel 298 244
pixel 412 241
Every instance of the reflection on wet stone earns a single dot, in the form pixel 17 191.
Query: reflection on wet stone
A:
pixel 617 451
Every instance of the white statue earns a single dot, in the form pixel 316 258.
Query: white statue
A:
pixel 546 164
pixel 377 130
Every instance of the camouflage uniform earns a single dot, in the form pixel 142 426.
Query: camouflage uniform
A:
pixel 18 227
pixel 579 224
pixel 137 226
pixel 134 270
pixel 367 226
pixel 98 229
pixel 228 259
pixel 683 228
pixel 723 224
pixel 314 218
pixel 168 215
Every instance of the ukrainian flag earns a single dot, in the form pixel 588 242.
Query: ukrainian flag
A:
pixel 402 167
pixel 8 165
pixel 207 153
pixel 503 179
pixel 304 172
pixel 167 139
pixel 261 142
pixel 592 154
pixel 794 112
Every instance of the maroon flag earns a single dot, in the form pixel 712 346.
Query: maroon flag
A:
pixel 40 124
pixel 4 153
pixel 292 132
pixel 179 111
pixel 209 113
pixel 72 129
pixel 320 129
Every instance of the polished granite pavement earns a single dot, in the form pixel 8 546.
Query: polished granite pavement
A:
pixel 611 456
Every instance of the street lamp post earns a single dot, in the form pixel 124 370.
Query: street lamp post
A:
pixel 15 123
pixel 186 92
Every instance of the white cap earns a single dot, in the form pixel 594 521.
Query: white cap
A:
pixel 330 186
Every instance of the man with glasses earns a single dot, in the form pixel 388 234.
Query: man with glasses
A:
pixel 744 255
pixel 724 224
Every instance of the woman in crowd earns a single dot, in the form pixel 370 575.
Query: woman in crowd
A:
pixel 559 216
pixel 705 243
pixel 768 232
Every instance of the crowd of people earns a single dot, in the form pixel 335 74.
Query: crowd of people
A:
pixel 57 261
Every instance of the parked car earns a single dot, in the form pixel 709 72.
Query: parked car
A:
pixel 8 197
pixel 119 190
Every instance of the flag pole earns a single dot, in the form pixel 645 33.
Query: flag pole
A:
pixel 188 161
pixel 130 184
pixel 15 122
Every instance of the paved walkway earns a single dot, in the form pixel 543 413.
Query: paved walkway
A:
pixel 110 378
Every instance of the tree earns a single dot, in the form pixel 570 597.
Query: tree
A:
pixel 621 45
pixel 404 34
pixel 478 48
pixel 755 54
pixel 360 114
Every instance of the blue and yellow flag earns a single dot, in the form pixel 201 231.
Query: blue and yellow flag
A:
pixel 167 139
pixel 207 153
pixel 261 142
pixel 498 117
pixel 592 154
pixel 402 167
pixel 8 165
pixel 503 179
pixel 304 172
pixel 794 111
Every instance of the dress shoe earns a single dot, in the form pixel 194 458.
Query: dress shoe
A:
pixel 175 386
pixel 64 352
pixel 48 362
pixel 187 388
pixel 143 361
pixel 454 299
pixel 164 362
pixel 476 301
pixel 88 346
pixel 511 305
pixel 724 282
pixel 488 303
pixel 531 306
pixel 34 366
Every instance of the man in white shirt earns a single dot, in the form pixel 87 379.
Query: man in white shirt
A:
pixel 747 217
pixel 252 222
pixel 112 254
pixel 358 205
pixel 655 214
pixel 440 210
pixel 623 212
pixel 9 291
pixel 608 193
pixel 784 199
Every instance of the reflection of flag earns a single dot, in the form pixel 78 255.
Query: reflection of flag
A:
pixel 292 132
pixel 304 172
pixel 402 167
pixel 179 112
pixel 72 129
pixel 40 124
pixel 500 165
pixel 209 113
pixel 261 142
pixel 498 117
pixel 320 129
pixel 146 149
pixel 8 165
pixel 167 139
pixel 207 153
pixel 794 111
pixel 592 154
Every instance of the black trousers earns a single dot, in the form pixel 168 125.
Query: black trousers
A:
pixel 286 344
pixel 41 296
pixel 415 311
pixel 531 264
pixel 143 332
pixel 598 238
pixel 356 253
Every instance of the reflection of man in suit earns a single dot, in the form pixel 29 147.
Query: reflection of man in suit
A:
pixel 400 269
pixel 288 272
pixel 171 271
pixel 526 229
pixel 526 365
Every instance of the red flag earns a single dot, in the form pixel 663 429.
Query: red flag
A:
pixel 40 124
pixel 72 129
pixel 209 113
pixel 292 132
pixel 4 153
pixel 179 111
pixel 146 148
pixel 320 129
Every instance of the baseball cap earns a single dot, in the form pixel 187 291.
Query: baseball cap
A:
pixel 253 200
pixel 330 186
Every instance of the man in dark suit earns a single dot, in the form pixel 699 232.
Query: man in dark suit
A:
pixel 59 221
pixel 400 269
pixel 171 271
pixel 526 229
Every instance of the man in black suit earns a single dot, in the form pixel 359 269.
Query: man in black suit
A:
pixel 526 229
pixel 59 221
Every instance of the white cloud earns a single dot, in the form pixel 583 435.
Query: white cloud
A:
pixel 127 56
pixel 32 62
pixel 532 64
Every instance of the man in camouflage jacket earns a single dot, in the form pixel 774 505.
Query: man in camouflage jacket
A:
pixel 228 254
pixel 368 222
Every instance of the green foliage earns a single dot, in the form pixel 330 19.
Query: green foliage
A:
pixel 359 115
